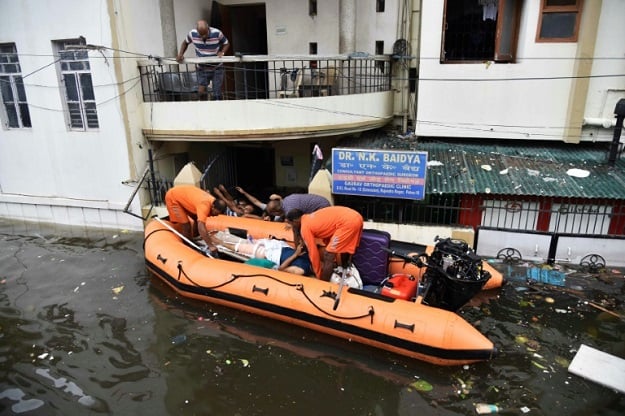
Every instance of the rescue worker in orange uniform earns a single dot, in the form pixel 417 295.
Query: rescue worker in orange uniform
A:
pixel 338 227
pixel 188 201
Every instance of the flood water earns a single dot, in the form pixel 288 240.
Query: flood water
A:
pixel 84 329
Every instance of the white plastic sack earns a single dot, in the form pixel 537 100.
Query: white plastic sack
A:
pixel 352 277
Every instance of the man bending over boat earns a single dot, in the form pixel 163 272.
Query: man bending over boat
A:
pixel 338 227
pixel 277 254
pixel 188 201
pixel 307 203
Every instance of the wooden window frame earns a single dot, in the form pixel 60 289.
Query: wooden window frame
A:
pixel 545 9
pixel 509 14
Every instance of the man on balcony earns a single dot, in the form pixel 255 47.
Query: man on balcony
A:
pixel 208 42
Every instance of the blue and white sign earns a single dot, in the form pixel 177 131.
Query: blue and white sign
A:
pixel 379 173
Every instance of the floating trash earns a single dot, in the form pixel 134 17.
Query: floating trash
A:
pixel 179 339
pixel 551 277
pixel 421 385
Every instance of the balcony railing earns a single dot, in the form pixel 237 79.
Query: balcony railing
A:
pixel 250 77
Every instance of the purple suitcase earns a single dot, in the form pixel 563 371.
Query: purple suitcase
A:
pixel 370 260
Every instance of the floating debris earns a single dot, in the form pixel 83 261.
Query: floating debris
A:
pixel 179 339
pixel 421 385
pixel 544 275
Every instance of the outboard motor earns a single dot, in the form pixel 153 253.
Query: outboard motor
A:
pixel 454 275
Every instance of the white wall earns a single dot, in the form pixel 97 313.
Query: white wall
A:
pixel 49 165
pixel 534 109
pixel 605 92
pixel 290 29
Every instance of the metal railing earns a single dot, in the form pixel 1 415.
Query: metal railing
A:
pixel 263 77
pixel 597 217
pixel 561 215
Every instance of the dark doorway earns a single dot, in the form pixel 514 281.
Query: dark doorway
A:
pixel 245 26
pixel 255 170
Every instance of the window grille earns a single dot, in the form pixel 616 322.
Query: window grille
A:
pixel 15 112
pixel 76 77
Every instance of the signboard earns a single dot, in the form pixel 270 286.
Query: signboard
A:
pixel 379 173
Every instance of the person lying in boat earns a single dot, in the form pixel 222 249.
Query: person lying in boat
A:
pixel 235 208
pixel 338 227
pixel 277 207
pixel 257 202
pixel 266 252
pixel 186 202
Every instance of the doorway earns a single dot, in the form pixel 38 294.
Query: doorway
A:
pixel 255 170
pixel 245 26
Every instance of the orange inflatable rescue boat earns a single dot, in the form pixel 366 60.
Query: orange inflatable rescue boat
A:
pixel 411 311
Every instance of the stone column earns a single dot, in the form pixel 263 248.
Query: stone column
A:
pixel 347 26
pixel 168 28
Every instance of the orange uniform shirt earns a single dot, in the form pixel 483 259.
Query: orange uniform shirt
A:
pixel 184 201
pixel 338 227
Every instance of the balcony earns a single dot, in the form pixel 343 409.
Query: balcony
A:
pixel 267 98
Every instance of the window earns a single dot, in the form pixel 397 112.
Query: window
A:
pixel 312 50
pixel 379 6
pixel 15 112
pixel 312 8
pixel 480 30
pixel 379 50
pixel 559 21
pixel 75 74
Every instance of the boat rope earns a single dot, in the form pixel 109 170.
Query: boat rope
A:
pixel 182 272
pixel 149 235
pixel 297 286
pixel 165 229
pixel 370 313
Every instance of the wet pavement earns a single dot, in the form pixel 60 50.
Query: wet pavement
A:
pixel 84 329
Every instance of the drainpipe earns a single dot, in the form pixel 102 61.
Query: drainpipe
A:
pixel 347 38
pixel 582 69
pixel 619 110
pixel 606 123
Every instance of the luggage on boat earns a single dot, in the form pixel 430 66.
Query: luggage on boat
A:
pixel 371 257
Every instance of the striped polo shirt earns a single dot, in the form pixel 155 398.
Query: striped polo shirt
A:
pixel 211 46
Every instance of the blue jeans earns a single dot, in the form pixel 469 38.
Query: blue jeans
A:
pixel 207 73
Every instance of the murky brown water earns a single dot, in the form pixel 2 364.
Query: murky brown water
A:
pixel 85 330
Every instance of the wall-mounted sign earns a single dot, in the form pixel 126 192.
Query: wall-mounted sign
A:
pixel 380 173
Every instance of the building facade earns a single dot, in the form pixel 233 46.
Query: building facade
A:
pixel 95 106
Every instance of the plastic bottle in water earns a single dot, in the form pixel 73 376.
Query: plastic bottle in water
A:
pixel 486 409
